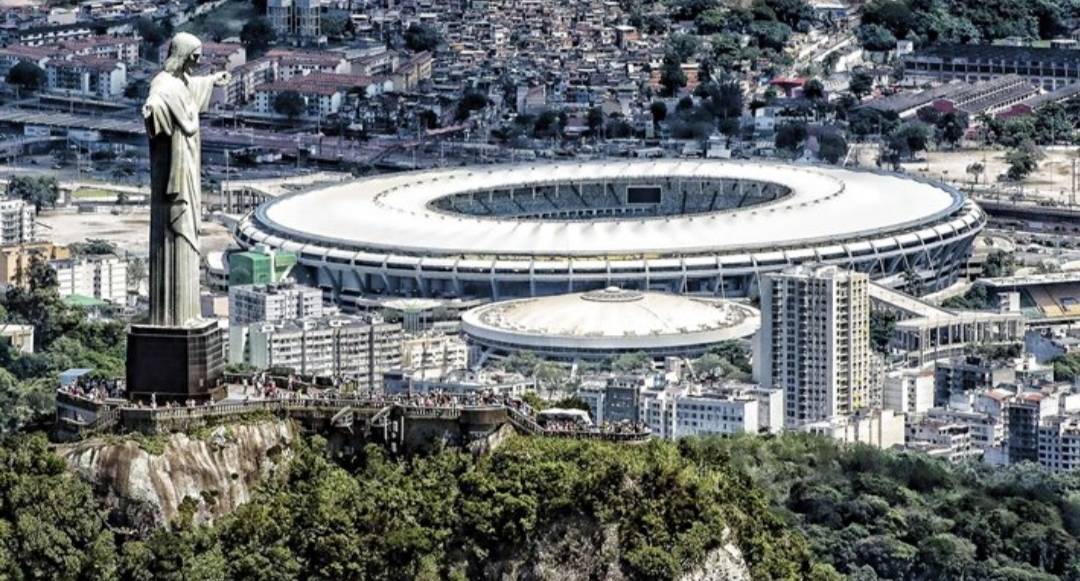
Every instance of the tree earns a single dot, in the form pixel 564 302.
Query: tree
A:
pixel 875 37
pixel 726 53
pixel 421 37
pixel 658 109
pixel 594 119
pixel 672 77
pixel 814 90
pixel 136 273
pixel 909 138
pixel 290 104
pixel 882 325
pixel 548 124
pixel 39 191
pixel 683 46
pixel 944 556
pixel 975 170
pixel 336 24
pixel 635 362
pixel 93 247
pixel 27 76
pixel 951 127
pixel 861 83
pixel 832 147
pixel 711 21
pixel 154 32
pixel 1022 161
pixel 471 100
pixel 795 13
pixel 998 264
pixel 257 35
pixel 770 35
pixel 790 137
pixel 913 283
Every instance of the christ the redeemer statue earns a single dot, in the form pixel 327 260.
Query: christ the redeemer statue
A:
pixel 171 113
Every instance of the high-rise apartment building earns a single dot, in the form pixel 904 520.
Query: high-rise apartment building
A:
pixel 295 19
pixel 273 303
pixel 814 342
pixel 16 222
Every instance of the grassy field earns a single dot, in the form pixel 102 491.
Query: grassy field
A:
pixel 223 22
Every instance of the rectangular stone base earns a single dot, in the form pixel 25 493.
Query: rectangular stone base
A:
pixel 175 363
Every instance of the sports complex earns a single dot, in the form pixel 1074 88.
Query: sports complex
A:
pixel 684 226
pixel 606 323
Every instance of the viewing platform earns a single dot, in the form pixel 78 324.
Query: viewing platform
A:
pixel 398 421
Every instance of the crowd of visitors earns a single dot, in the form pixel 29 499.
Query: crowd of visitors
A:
pixel 264 387
pixel 94 389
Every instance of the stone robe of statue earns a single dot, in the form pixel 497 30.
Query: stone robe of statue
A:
pixel 171 113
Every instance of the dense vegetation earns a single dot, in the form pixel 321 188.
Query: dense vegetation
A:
pixel 447 514
pixel 64 338
pixel 885 515
pixel 799 507
pixel 963 21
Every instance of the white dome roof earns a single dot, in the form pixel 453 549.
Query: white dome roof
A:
pixel 611 319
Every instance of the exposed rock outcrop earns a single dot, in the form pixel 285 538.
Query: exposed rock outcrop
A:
pixel 581 550
pixel 218 472
pixel 724 563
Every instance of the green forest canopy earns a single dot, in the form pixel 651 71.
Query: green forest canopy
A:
pixel 798 507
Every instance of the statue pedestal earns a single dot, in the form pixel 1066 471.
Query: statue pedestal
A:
pixel 175 363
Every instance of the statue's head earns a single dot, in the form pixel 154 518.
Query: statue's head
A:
pixel 184 53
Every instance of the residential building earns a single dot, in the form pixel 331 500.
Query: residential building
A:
pixel 878 428
pixel 87 76
pixel 814 342
pixel 246 77
pixel 319 101
pixel 295 19
pixel 1059 443
pixel 17 224
pixel 944 439
pixel 118 48
pixel 15 259
pixel 409 73
pixel 359 348
pixel 682 410
pixel 965 374
pixel 273 303
pixel 292 63
pixel 100 277
pixel 20 338
pixel 1022 427
pixel 436 352
pixel 909 391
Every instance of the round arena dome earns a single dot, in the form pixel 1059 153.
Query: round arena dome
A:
pixel 705 227
pixel 605 323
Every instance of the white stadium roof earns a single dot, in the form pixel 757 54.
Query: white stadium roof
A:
pixel 610 319
pixel 394 213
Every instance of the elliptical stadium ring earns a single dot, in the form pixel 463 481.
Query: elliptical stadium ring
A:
pixel 705 227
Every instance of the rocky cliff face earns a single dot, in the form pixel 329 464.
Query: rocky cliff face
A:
pixel 218 472
pixel 580 550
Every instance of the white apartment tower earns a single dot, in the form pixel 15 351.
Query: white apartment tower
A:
pixel 101 277
pixel 16 222
pixel 296 19
pixel 273 303
pixel 331 346
pixel 814 342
